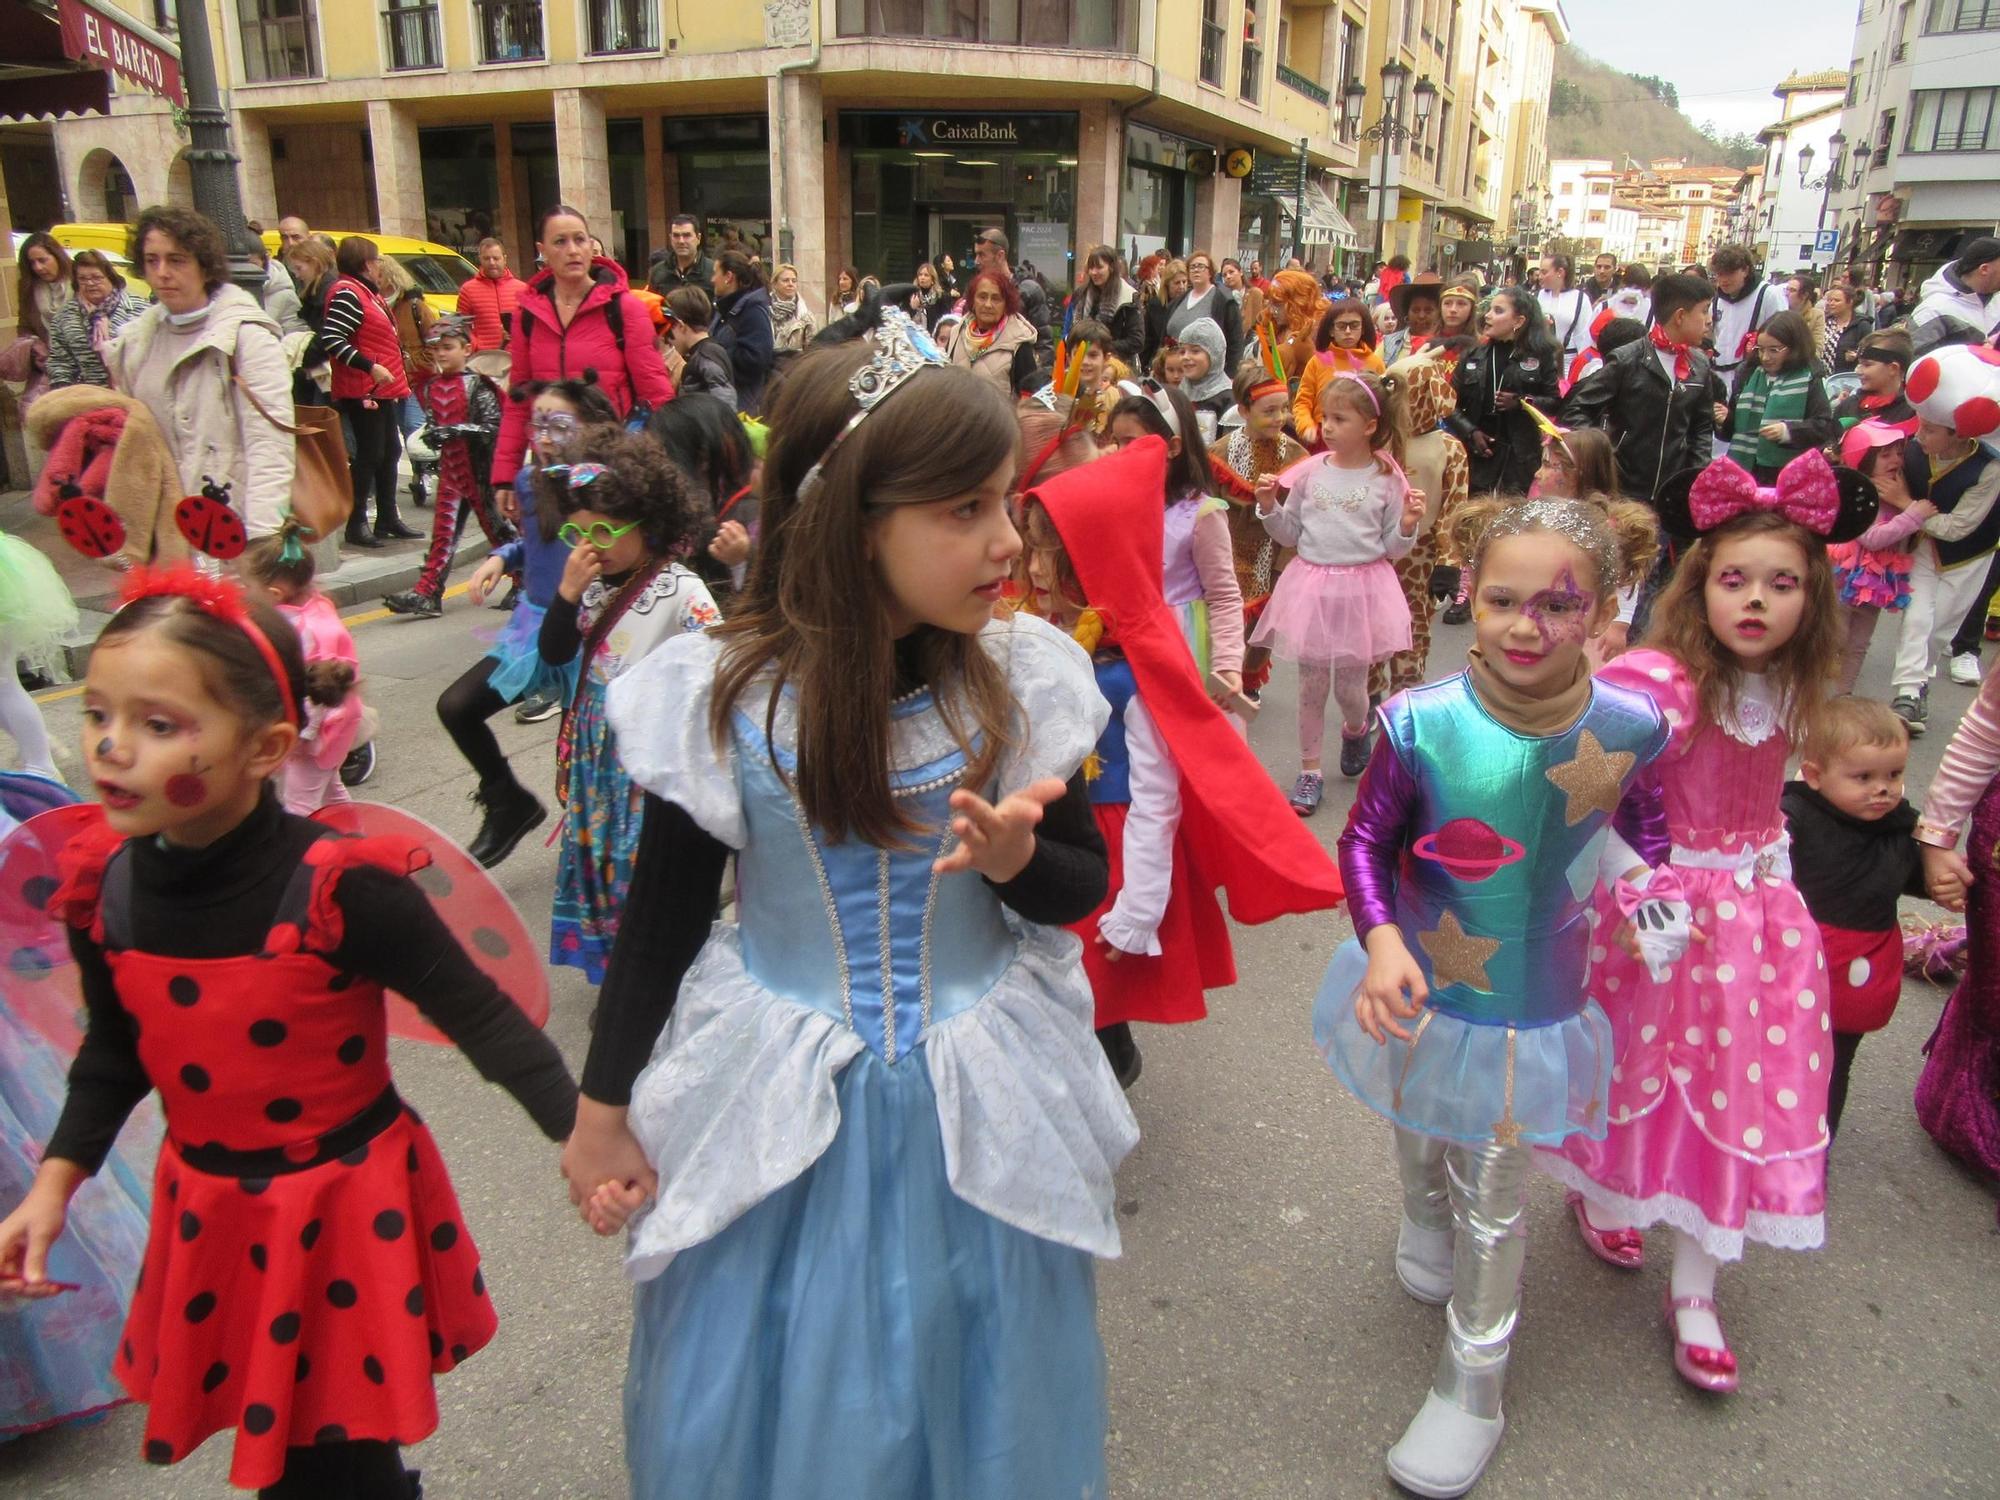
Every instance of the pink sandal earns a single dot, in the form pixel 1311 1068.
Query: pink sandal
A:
pixel 1623 1248
pixel 1703 1368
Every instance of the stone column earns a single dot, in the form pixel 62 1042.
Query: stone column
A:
pixel 511 216
pixel 399 170
pixel 1218 209
pixel 583 156
pixel 1100 177
pixel 799 197
pixel 260 187
pixel 660 193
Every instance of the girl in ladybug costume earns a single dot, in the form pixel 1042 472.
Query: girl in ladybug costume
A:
pixel 308 1270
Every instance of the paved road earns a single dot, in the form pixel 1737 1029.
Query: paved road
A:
pixel 1260 1348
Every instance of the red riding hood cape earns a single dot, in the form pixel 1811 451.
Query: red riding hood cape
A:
pixel 1240 834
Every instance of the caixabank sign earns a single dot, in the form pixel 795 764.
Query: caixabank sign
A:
pixel 949 130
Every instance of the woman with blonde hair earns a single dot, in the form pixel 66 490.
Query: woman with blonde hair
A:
pixel 792 322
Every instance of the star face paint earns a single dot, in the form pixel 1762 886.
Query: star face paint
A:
pixel 1531 615
pixel 1562 611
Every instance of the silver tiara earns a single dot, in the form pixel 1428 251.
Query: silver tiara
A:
pixel 901 350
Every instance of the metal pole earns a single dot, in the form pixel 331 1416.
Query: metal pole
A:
pixel 1299 208
pixel 211 162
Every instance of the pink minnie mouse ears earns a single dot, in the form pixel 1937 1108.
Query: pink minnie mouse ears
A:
pixel 1834 503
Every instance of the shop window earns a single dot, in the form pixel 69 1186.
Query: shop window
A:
pixel 1093 25
pixel 280 39
pixel 624 26
pixel 509 30
pixel 410 35
pixel 461 188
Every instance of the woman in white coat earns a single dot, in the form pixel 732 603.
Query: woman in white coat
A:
pixel 185 355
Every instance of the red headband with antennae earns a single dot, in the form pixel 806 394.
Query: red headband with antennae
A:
pixel 217 597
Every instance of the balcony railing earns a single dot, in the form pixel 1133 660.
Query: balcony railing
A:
pixel 1211 54
pixel 1900 52
pixel 1300 84
pixel 624 26
pixel 509 30
pixel 1086 25
pixel 279 40
pixel 410 37
pixel 1253 73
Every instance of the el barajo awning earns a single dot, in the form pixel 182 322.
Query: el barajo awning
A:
pixel 57 58
pixel 1325 223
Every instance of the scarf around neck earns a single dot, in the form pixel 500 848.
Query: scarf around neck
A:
pixel 1764 399
pixel 1682 364
pixel 1521 713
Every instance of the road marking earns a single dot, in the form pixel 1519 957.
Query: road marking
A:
pixel 363 617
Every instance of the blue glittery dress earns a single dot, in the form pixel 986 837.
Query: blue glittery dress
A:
pixel 884 1131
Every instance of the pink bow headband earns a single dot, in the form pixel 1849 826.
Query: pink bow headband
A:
pixel 1806 494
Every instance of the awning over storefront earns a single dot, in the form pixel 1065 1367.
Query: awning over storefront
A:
pixel 57 58
pixel 1928 244
pixel 1325 223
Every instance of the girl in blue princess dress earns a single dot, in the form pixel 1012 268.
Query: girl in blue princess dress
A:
pixel 874 1144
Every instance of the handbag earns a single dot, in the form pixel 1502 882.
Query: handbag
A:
pixel 322 493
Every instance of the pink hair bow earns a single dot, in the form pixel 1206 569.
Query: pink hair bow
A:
pixel 1806 493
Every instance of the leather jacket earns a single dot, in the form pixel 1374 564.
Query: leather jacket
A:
pixel 1658 426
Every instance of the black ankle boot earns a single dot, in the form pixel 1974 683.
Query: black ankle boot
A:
pixel 512 813
pixel 389 524
pixel 358 535
pixel 1121 1051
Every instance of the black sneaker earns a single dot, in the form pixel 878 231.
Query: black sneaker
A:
pixel 410 602
pixel 1122 1052
pixel 1912 710
pixel 1354 753
pixel 512 813
pixel 359 765
pixel 1307 792
pixel 1457 612
pixel 534 709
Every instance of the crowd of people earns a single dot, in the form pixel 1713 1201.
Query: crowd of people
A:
pixel 968 718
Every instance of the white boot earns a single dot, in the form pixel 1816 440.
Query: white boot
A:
pixel 1423 1262
pixel 1445 1448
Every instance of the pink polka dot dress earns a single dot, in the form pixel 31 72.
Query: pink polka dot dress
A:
pixel 1717 1110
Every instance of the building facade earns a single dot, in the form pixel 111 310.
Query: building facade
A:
pixel 1922 122
pixel 1800 175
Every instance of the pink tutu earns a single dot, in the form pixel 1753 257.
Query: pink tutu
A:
pixel 1336 614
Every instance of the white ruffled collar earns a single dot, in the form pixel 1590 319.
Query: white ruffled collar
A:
pixel 1754 713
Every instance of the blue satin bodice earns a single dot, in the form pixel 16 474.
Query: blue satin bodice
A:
pixel 1112 779
pixel 869 936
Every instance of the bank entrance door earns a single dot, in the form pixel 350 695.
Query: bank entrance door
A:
pixel 954 230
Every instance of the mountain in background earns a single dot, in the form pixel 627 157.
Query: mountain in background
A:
pixel 1597 111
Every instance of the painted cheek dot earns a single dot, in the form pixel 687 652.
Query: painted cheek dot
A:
pixel 186 790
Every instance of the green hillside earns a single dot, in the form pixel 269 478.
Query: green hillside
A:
pixel 1596 111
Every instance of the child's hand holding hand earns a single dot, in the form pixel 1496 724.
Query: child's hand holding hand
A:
pixel 612 1206
pixel 1946 876
pixel 483 580
pixel 997 841
pixel 1414 501
pixel 731 545
pixel 1393 986
pixel 585 563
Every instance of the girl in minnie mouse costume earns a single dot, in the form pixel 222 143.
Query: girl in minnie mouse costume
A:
pixel 308 1270
pixel 1718 1123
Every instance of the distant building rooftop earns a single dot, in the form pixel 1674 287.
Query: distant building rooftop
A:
pixel 1825 78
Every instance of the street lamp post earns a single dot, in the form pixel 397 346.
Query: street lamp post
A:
pixel 211 162
pixel 1389 131
pixel 1828 181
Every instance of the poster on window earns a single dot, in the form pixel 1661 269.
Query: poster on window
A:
pixel 1044 249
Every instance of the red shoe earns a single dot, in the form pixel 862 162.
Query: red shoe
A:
pixel 1623 1248
pixel 1703 1368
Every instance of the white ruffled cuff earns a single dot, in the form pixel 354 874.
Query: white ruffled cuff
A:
pixel 1125 934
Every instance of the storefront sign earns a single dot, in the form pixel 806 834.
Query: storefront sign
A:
pixel 1044 245
pixel 93 37
pixel 945 130
pixel 1278 176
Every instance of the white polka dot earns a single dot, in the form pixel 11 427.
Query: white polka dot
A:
pixel 1753 1005
pixel 1673 718
pixel 1807 999
pixel 1726 910
pixel 1598 955
pixel 1752 1137
pixel 1858 972
pixel 1693 1034
pixel 1647 1033
pixel 1612 984
pixel 1813 1062
pixel 1701 916
pixel 1787 1099
pixel 1682 1075
pixel 1649 1085
pixel 1767 972
pixel 1618 1072
pixel 1756 945
pixel 1723 1037
pixel 1789 937
pixel 1775 1036
pixel 1698 1117
pixel 1698 974
pixel 1725 973
pixel 1826 1023
pixel 1819 960
pixel 1719 1099
pixel 1660 674
pixel 1822 1124
pixel 1755 1072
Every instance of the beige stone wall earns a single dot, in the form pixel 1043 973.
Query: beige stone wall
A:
pixel 140 137
pixel 322 175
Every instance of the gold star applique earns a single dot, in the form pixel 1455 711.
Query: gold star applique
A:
pixel 1507 1132
pixel 1594 780
pixel 1456 956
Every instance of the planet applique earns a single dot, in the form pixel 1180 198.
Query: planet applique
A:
pixel 1469 849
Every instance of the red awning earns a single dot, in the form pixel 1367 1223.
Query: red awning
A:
pixel 57 58
pixel 96 33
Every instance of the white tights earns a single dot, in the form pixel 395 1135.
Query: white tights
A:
pixel 1693 1276
pixel 22 719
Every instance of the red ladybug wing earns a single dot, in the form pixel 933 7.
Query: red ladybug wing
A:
pixel 90 526
pixel 40 986
pixel 211 526
pixel 475 909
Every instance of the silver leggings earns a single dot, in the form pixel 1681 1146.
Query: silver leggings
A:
pixel 1482 1193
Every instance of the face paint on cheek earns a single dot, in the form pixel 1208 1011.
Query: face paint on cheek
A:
pixel 1561 612
pixel 189 788
pixel 104 748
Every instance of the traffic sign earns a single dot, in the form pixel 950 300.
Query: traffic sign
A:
pixel 1826 242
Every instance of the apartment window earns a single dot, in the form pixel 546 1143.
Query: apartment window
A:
pixel 1595 216
pixel 1962 15
pixel 279 39
pixel 1252 80
pixel 410 34
pixel 1953 120
pixel 1451 41
pixel 624 26
pixel 1350 52
pixel 165 19
pixel 1440 147
pixel 1409 22
pixel 1088 25
pixel 1212 43
pixel 509 30
pixel 1885 137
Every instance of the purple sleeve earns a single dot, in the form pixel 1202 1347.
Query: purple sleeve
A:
pixel 1641 819
pixel 1372 844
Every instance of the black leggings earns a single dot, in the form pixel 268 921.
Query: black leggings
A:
pixel 463 709
pixel 378 443
pixel 358 1469
pixel 1845 1045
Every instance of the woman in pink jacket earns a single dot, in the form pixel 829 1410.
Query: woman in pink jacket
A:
pixel 575 318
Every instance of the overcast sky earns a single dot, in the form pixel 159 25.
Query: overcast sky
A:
pixel 1723 55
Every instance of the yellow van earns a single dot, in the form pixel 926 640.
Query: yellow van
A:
pixel 438 270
